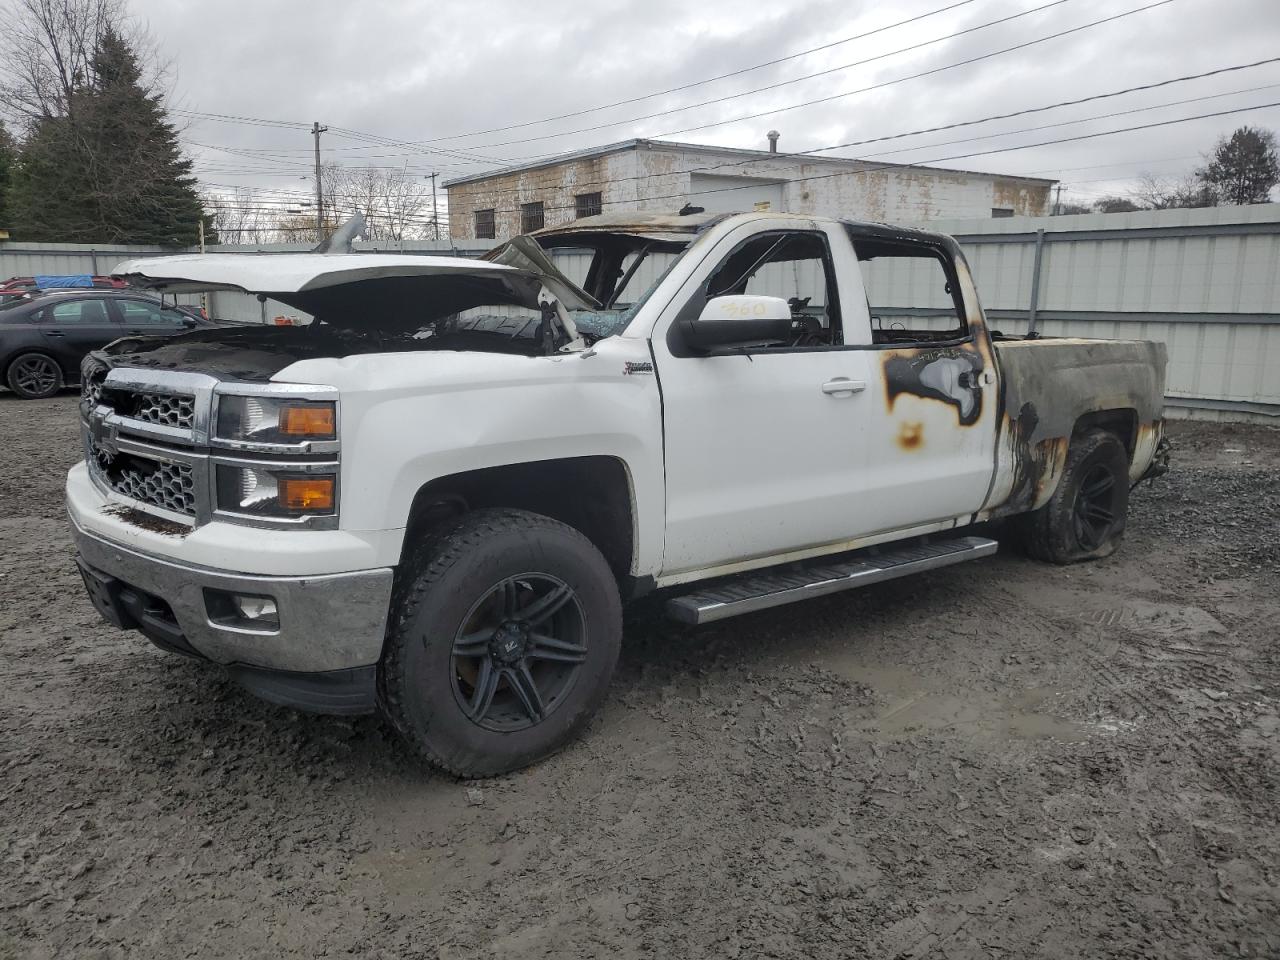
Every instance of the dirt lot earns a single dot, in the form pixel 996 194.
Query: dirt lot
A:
pixel 1002 759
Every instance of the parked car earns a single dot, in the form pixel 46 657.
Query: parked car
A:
pixel 434 500
pixel 17 286
pixel 43 337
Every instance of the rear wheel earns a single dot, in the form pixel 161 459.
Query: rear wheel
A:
pixel 1085 517
pixel 34 376
pixel 507 633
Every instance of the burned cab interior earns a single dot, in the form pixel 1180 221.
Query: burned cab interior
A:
pixel 894 274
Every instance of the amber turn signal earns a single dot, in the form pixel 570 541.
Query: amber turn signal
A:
pixel 306 493
pixel 309 421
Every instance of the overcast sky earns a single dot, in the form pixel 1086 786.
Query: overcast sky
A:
pixel 440 74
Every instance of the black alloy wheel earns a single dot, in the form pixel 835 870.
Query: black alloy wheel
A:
pixel 1085 517
pixel 505 631
pixel 1094 513
pixel 519 651
pixel 34 376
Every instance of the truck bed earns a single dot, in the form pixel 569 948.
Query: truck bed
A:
pixel 1052 385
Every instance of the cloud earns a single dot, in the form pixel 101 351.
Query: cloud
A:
pixel 427 71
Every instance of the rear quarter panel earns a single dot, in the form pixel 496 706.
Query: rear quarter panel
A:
pixel 1048 386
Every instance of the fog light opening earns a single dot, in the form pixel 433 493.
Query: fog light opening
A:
pixel 242 611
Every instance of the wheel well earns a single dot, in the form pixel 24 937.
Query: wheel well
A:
pixel 590 494
pixel 1123 423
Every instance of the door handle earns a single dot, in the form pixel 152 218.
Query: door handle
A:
pixel 843 387
pixel 54 333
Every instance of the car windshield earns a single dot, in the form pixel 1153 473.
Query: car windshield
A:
pixel 619 271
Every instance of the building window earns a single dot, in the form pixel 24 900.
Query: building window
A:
pixel 589 205
pixel 531 217
pixel 999 212
pixel 485 225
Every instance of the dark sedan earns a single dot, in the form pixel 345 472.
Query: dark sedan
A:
pixel 43 338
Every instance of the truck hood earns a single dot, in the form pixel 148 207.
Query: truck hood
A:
pixel 299 279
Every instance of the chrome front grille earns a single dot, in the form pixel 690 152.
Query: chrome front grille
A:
pixel 168 411
pixel 149 443
pixel 92 373
pixel 157 483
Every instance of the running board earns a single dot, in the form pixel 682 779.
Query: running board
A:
pixel 760 591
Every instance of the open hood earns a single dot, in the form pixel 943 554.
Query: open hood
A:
pixel 292 273
pixel 523 253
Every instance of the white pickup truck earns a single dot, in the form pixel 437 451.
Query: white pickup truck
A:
pixel 434 500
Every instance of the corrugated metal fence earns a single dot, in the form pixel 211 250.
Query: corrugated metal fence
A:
pixel 1206 282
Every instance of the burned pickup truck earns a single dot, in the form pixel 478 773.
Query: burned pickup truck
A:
pixel 434 500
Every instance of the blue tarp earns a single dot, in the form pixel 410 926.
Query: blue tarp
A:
pixel 70 280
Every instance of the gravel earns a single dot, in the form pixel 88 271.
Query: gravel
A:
pixel 1000 759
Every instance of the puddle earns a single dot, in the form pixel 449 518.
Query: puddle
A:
pixel 912 707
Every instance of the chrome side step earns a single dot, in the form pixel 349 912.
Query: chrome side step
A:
pixel 760 591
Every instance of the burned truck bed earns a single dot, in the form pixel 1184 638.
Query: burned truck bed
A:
pixel 1054 387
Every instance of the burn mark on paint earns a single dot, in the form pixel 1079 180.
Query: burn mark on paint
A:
pixel 910 435
pixel 951 375
pixel 1037 465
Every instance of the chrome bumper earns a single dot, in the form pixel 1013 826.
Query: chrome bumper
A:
pixel 332 622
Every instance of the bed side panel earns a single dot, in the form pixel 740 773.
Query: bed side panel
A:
pixel 1048 386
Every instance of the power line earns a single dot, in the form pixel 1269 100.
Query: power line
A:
pixel 781 83
pixel 1067 123
pixel 832 97
pixel 752 92
pixel 699 83
pixel 958 156
pixel 261 121
pixel 763 157
pixel 418 146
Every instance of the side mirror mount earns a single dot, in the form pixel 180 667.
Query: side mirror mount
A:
pixel 739 320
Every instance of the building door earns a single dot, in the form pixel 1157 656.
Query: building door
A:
pixel 719 194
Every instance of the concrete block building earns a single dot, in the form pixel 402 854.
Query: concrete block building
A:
pixel 659 175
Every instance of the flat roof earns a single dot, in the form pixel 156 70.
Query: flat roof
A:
pixel 637 143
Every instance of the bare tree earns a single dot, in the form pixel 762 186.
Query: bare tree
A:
pixel 47 49
pixel 238 217
pixel 1165 193
pixel 394 204
pixel 1116 205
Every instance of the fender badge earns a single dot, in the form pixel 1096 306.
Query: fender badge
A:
pixel 632 366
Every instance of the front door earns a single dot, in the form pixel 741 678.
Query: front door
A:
pixel 763 449
pixel 74 326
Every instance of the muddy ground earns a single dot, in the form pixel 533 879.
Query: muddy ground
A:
pixel 999 760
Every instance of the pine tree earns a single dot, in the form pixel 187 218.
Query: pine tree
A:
pixel 1244 168
pixel 7 156
pixel 109 170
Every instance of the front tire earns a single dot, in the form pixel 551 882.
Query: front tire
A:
pixel 1085 517
pixel 34 376
pixel 505 638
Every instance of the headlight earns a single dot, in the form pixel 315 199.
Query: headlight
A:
pixel 262 492
pixel 271 420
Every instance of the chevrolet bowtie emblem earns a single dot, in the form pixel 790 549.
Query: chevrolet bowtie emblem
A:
pixel 103 432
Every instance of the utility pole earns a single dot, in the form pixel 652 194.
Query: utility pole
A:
pixel 204 297
pixel 1057 200
pixel 435 218
pixel 316 130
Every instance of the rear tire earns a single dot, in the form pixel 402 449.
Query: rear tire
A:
pixel 1085 517
pixel 505 637
pixel 34 376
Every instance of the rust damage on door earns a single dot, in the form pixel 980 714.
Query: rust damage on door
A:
pixel 951 375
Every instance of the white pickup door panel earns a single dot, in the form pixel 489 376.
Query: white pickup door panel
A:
pixel 770 454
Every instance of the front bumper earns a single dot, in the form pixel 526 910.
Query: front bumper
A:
pixel 326 622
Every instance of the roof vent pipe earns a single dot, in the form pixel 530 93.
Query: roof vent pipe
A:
pixel 773 136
